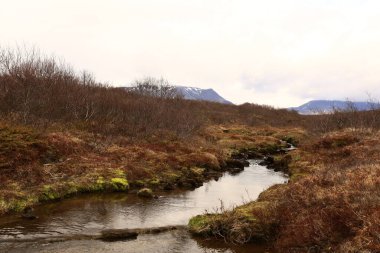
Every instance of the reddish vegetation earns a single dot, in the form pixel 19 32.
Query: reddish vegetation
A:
pixel 337 207
pixel 38 91
pixel 331 204
pixel 66 162
pixel 62 133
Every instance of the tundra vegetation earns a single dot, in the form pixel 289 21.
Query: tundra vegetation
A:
pixel 64 133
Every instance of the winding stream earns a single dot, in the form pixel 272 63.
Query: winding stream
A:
pixel 89 214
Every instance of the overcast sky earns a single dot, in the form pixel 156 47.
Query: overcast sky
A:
pixel 277 52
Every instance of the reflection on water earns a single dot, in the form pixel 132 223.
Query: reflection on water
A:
pixel 88 214
pixel 174 241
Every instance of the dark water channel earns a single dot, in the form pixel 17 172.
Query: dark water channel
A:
pixel 89 214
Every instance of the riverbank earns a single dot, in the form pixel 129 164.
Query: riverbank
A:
pixel 331 203
pixel 56 163
pixel 96 218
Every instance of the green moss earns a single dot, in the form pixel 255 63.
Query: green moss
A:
pixel 145 193
pixel 119 173
pixel 246 211
pixel 72 188
pixel 100 184
pixel 3 204
pixel 154 182
pixel 18 205
pixel 48 193
pixel 230 224
pixel 198 224
pixel 119 184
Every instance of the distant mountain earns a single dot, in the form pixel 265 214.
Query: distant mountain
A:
pixel 193 93
pixel 327 106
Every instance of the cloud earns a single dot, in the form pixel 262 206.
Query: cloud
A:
pixel 279 52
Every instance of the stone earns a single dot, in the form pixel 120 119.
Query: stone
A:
pixel 145 193
pixel 237 163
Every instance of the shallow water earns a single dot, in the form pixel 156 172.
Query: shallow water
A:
pixel 89 214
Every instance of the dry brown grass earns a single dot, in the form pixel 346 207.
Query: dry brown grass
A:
pixel 331 204
pixel 323 210
pixel 62 160
pixel 30 160
pixel 63 133
pixel 242 136
pixel 333 207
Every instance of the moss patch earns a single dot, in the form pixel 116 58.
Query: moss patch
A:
pixel 145 193
pixel 119 184
pixel 49 193
pixel 199 224
pixel 155 182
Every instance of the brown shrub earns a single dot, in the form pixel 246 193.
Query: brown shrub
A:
pixel 323 210
pixel 39 91
pixel 200 159
pixel 336 141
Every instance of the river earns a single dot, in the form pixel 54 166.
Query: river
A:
pixel 90 213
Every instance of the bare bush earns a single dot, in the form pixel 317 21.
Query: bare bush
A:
pixel 39 90
pixel 153 87
pixel 349 117
pixel 36 89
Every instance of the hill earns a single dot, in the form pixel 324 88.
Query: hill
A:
pixel 193 93
pixel 328 106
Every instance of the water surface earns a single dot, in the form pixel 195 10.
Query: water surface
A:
pixel 91 213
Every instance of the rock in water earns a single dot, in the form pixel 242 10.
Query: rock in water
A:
pixel 234 171
pixel 29 213
pixel 237 163
pixel 145 193
pixel 110 235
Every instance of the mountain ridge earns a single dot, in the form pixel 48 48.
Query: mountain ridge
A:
pixel 194 93
pixel 327 106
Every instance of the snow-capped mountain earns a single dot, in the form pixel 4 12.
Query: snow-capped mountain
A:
pixel 327 106
pixel 194 93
